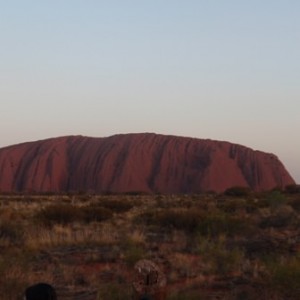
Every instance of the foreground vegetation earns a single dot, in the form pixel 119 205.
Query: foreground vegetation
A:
pixel 238 245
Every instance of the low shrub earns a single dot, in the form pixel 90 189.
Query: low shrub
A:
pixel 59 214
pixel 275 199
pixel 276 221
pixel 116 205
pixel 218 257
pixel 295 204
pixel 14 266
pixel 238 191
pixel 114 292
pixel 95 214
pixel 181 219
pixel 147 217
pixel 292 189
pixel 282 217
pixel 232 205
pixel 10 234
pixel 285 279
pixel 12 289
pixel 187 295
pixel 252 206
pixel 133 253
pixel 65 214
pixel 215 224
pixel 197 221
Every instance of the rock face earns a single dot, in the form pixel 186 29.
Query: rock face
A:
pixel 143 162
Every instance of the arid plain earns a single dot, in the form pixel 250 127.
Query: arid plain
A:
pixel 233 245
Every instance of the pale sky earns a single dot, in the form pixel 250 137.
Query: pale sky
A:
pixel 223 70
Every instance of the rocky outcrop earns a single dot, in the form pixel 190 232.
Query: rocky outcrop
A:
pixel 145 162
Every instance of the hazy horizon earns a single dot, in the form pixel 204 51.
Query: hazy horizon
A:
pixel 220 70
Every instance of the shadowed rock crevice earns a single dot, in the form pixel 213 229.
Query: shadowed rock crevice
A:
pixel 156 165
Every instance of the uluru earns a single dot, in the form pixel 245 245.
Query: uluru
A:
pixel 140 162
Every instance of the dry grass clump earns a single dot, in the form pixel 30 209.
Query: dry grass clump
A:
pixel 68 235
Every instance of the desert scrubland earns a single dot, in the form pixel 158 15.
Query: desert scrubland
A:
pixel 234 245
